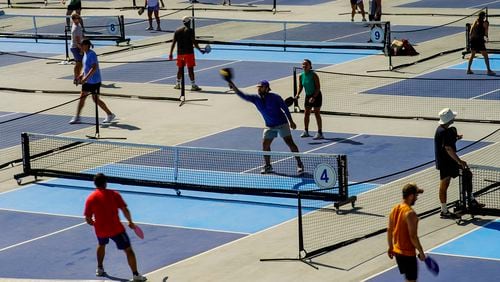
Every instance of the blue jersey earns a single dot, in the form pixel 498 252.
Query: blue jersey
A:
pixel 89 59
pixel 272 108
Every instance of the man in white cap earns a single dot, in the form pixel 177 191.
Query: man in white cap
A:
pixel 185 40
pixel 447 161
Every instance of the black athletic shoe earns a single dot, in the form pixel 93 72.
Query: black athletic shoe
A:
pixel 476 205
pixel 448 215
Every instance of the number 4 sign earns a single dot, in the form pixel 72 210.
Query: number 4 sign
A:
pixel 325 176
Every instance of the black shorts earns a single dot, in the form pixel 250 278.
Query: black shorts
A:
pixel 93 88
pixel 408 266
pixel 318 101
pixel 448 171
pixel 477 45
pixel 121 240
pixel 78 6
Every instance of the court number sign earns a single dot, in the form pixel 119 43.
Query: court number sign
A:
pixel 112 27
pixel 325 176
pixel 377 34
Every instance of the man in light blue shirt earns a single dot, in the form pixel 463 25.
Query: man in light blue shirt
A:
pixel 90 80
pixel 277 118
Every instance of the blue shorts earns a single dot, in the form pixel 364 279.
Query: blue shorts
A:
pixel 121 240
pixel 77 54
pixel 154 8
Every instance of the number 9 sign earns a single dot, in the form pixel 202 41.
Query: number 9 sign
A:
pixel 377 34
pixel 325 176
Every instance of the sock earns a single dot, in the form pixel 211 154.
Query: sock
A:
pixel 444 208
pixel 178 81
pixel 192 82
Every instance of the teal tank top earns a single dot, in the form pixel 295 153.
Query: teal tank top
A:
pixel 308 83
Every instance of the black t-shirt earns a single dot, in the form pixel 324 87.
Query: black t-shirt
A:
pixel 184 37
pixel 444 137
pixel 478 31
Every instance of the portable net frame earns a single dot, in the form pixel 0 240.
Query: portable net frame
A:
pixel 285 36
pixel 475 99
pixel 433 41
pixel 57 4
pixel 109 28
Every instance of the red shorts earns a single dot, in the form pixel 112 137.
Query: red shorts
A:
pixel 186 60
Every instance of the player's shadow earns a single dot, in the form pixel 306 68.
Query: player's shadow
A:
pixel 338 140
pixel 111 85
pixel 114 278
pixel 120 126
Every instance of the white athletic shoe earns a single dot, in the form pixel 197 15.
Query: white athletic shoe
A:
pixel 109 118
pixel 318 136
pixel 100 272
pixel 305 134
pixel 139 278
pixel 75 120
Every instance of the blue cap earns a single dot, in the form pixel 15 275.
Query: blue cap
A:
pixel 263 83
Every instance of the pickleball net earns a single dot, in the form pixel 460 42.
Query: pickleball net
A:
pixel 180 168
pixel 475 98
pixel 56 27
pixel 485 189
pixel 287 36
pixel 327 227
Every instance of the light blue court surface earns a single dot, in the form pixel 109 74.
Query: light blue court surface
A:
pixel 478 63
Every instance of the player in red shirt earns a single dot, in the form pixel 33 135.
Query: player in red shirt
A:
pixel 101 211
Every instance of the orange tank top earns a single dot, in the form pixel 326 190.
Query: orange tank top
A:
pixel 400 236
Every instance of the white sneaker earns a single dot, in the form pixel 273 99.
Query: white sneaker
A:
pixel 305 134
pixel 75 120
pixel 109 118
pixel 177 86
pixel 100 272
pixel 139 278
pixel 318 136
pixel 300 169
pixel 266 169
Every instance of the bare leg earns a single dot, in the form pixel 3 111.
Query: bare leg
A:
pixel 443 188
pixel 180 71
pixel 362 8
pixel 191 73
pixel 293 147
pixel 266 146
pixel 353 11
pixel 157 17
pixel 319 121
pixel 486 61
pixel 471 58
pixel 307 114
pixel 81 103
pixel 132 262
pixel 101 252
pixel 101 104
pixel 150 19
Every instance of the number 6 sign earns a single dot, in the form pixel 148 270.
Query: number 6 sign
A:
pixel 325 176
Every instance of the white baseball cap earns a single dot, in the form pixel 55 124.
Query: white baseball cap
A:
pixel 186 19
pixel 446 115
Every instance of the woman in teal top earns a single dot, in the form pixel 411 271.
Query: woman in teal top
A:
pixel 309 81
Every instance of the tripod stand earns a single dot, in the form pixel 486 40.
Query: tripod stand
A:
pixel 95 97
pixel 182 98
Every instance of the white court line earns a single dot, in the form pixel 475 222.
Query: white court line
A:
pixel 345 36
pixel 9 114
pixel 196 71
pixel 41 237
pixel 484 94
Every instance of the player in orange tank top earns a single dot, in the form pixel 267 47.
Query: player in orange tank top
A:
pixel 402 233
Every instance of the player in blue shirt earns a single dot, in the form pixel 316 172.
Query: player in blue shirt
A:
pixel 90 80
pixel 277 118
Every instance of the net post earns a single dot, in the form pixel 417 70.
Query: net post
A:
pixel 192 21
pixel 66 43
pixel 387 41
pixel 121 24
pixel 25 143
pixel 284 36
pixel 182 98
pixel 274 7
pixel 299 223
pixel 134 4
pixel 295 102
pixel 36 29
pixel 342 176
pixel 467 37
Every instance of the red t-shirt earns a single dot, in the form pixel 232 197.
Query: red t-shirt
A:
pixel 103 205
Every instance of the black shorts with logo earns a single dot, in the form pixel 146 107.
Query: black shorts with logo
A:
pixel 408 266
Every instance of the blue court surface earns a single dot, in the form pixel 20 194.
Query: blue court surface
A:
pixel 474 256
pixel 38 123
pixel 45 236
pixel 471 4
pixel 472 86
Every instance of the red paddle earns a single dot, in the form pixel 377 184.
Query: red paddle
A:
pixel 138 231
